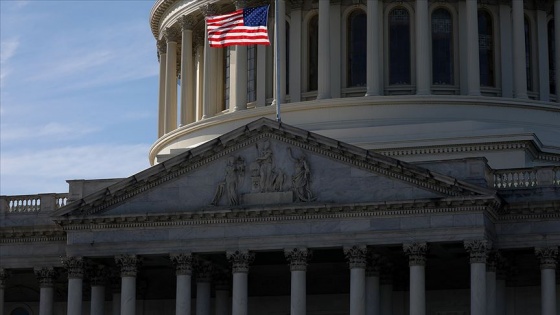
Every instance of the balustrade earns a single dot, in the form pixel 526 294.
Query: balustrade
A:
pixel 526 177
pixel 33 203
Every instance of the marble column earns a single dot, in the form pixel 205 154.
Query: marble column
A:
pixel 203 273
pixel 223 285
pixel 324 67
pixel 171 37
pixel 298 258
pixel 75 269
pixel 4 275
pixel 238 71
pixel 500 290
pixel 97 275
pixel 416 253
pixel 115 280
pixel 557 48
pixel 162 56
pixel 188 95
pixel 478 250
pixel 423 60
pixel 548 258
pixel 356 257
pixel 491 283
pixel 542 50
pixel 373 289
pixel 240 261
pixel 183 272
pixel 46 277
pixel 473 70
pixel 386 289
pixel 128 265
pixel 199 59
pixel 519 66
pixel 374 69
pixel 295 51
pixel 209 98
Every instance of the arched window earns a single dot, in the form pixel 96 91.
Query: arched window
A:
pixel 357 48
pixel 442 47
pixel 399 46
pixel 551 58
pixel 251 73
pixel 313 55
pixel 19 311
pixel 528 55
pixel 486 48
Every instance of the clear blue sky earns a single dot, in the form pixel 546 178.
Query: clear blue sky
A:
pixel 78 92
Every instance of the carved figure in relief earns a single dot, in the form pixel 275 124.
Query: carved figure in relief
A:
pixel 301 179
pixel 235 172
pixel 265 165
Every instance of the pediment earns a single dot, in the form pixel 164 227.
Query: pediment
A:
pixel 267 164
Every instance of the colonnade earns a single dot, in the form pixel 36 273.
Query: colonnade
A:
pixel 369 293
pixel 201 68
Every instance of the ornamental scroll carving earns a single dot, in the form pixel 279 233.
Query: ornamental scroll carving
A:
pixel 356 256
pixel 547 256
pixel 268 179
pixel 298 258
pixel 416 253
pixel 240 260
pixel 478 250
pixel 74 266
pixel 183 263
pixel 128 265
pixel 46 276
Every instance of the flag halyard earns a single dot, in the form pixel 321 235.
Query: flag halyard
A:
pixel 241 27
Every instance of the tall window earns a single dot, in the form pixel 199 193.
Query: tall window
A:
pixel 485 48
pixel 399 46
pixel 528 55
pixel 442 47
pixel 357 48
pixel 313 55
pixel 551 57
pixel 226 78
pixel 287 58
pixel 251 73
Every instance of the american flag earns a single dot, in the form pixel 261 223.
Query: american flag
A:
pixel 241 27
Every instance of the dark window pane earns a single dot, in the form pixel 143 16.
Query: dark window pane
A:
pixel 551 58
pixel 251 73
pixel 357 48
pixel 399 46
pixel 528 56
pixel 442 43
pixel 485 48
pixel 226 78
pixel 313 53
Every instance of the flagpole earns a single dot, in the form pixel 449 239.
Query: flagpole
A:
pixel 277 58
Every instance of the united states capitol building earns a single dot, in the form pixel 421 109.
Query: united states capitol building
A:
pixel 415 170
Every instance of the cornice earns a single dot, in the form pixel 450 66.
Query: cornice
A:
pixel 293 212
pixel 24 235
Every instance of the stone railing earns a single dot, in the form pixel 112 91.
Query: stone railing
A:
pixel 526 177
pixel 32 203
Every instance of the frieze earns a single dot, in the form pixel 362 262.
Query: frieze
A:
pixel 356 256
pixel 183 263
pixel 298 258
pixel 478 250
pixel 547 256
pixel 74 266
pixel 240 260
pixel 46 276
pixel 128 265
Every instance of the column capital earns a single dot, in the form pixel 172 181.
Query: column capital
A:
pixel 547 256
pixel 171 34
pixel 478 250
pixel 356 256
pixel 183 263
pixel 373 264
pixel 46 276
pixel 240 260
pixel 204 270
pixel 298 258
pixel 97 275
pixel 128 265
pixel 4 275
pixel 208 9
pixel 416 253
pixel 187 22
pixel 296 4
pixel 494 261
pixel 74 266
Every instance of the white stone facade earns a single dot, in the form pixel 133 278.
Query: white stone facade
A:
pixel 439 195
